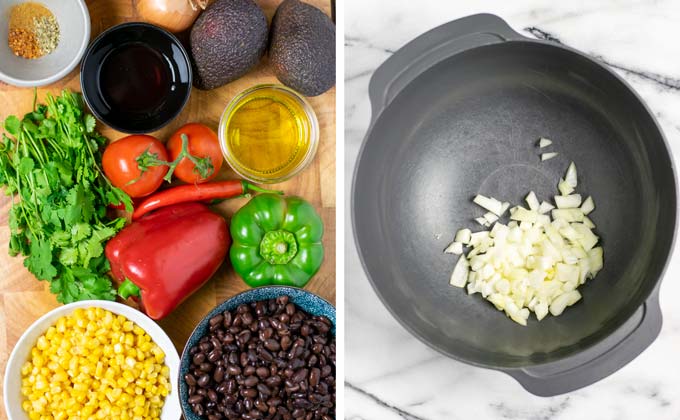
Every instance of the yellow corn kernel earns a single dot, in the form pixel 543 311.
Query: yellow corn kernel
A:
pixel 42 343
pixel 128 376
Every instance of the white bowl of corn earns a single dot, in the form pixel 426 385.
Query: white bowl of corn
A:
pixel 93 359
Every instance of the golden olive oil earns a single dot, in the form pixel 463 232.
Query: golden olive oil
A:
pixel 268 133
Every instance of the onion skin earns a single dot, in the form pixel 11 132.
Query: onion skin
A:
pixel 172 15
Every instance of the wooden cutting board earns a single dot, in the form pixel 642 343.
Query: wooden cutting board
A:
pixel 23 298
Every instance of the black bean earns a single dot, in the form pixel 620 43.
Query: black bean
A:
pixel 262 372
pixel 248 393
pixel 298 413
pixel 273 381
pixel 198 358
pixel 272 345
pixel 261 405
pixel 221 388
pixel 260 309
pixel 248 404
pixel 296 364
pixel 286 342
pixel 212 395
pixel 214 355
pixel 195 399
pixel 265 354
pixel 247 318
pixel 205 346
pixel 217 319
pixel 233 370
pixel 218 375
pixel 251 381
pixel 203 380
pixel 314 376
pixel 264 390
pixel 190 379
pixel 243 337
pixel 216 343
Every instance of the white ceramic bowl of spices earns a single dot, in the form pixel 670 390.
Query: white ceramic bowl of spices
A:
pixel 41 41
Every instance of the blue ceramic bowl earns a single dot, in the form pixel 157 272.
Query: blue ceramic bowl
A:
pixel 305 300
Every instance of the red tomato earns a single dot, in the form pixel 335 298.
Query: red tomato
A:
pixel 203 145
pixel 122 168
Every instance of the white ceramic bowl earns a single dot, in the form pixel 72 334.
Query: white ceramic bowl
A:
pixel 74 28
pixel 12 383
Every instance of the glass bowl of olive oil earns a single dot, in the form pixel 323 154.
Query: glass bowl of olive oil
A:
pixel 268 133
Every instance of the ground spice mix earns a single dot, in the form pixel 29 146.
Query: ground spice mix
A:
pixel 33 30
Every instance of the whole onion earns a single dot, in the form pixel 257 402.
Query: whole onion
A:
pixel 173 15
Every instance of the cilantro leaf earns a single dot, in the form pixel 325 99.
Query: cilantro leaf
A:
pixel 13 125
pixel 90 123
pixel 40 260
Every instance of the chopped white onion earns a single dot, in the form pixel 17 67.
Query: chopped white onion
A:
pixel 547 156
pixel 490 217
pixel 537 261
pixel 454 248
pixel 504 208
pixel 543 142
pixel 564 187
pixel 571 177
pixel 568 201
pixel 463 236
pixel 460 272
pixel 568 215
pixel 532 201
pixel 588 206
pixel 489 203
pixel 523 215
pixel 545 207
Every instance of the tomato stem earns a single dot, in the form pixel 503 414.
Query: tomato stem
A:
pixel 202 166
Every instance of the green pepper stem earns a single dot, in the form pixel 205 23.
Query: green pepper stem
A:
pixel 247 186
pixel 127 289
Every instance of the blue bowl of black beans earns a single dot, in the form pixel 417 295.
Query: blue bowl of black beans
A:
pixel 266 353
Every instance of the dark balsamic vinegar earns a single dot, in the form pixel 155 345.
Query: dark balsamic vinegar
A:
pixel 134 78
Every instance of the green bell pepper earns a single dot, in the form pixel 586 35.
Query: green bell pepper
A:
pixel 276 240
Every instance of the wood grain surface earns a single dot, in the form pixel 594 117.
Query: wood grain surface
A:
pixel 23 298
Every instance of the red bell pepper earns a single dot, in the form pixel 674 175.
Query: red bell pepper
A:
pixel 167 255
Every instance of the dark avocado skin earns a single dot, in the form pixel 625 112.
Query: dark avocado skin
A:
pixel 302 48
pixel 227 40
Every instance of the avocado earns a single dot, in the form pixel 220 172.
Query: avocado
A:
pixel 227 40
pixel 302 48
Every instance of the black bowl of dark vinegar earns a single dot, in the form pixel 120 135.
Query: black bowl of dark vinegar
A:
pixel 136 77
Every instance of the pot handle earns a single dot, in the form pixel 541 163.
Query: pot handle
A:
pixel 599 361
pixel 428 49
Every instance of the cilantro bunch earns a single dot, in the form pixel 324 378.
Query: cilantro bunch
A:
pixel 50 165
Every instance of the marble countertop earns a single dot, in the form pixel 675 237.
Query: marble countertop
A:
pixel 390 374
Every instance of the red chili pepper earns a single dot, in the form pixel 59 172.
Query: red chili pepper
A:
pixel 196 192
pixel 168 255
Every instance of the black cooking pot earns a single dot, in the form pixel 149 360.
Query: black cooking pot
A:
pixel 457 112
